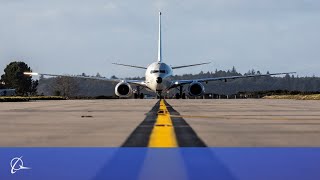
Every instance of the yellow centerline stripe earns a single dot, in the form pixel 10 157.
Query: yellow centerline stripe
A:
pixel 163 134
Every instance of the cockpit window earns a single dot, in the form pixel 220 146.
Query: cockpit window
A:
pixel 157 71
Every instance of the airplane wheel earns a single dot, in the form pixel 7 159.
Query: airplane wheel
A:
pixel 177 96
pixel 141 96
pixel 135 96
pixel 183 95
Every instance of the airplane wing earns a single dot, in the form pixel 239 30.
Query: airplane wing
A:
pixel 176 83
pixel 178 67
pixel 173 67
pixel 136 82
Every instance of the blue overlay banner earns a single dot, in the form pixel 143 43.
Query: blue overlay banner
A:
pixel 160 163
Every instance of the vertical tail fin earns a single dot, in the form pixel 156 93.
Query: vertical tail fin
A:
pixel 159 40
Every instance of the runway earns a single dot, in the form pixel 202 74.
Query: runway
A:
pixel 139 123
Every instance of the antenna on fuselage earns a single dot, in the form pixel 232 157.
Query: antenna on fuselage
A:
pixel 159 40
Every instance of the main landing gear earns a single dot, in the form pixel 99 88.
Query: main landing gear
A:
pixel 138 94
pixel 181 94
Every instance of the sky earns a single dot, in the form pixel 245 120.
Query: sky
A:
pixel 76 36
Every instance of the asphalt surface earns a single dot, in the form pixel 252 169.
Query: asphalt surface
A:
pixel 129 123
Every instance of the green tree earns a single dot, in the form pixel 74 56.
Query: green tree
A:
pixel 13 77
pixel 33 90
pixel 98 75
pixel 1 85
pixel 233 70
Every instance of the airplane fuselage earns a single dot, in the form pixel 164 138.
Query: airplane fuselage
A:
pixel 157 77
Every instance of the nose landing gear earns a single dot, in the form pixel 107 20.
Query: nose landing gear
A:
pixel 159 95
pixel 181 94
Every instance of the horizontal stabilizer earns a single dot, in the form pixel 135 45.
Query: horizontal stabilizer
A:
pixel 177 67
pixel 140 67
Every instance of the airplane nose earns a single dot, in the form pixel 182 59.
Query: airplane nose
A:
pixel 159 80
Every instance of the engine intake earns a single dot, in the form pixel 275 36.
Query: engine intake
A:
pixel 196 89
pixel 123 89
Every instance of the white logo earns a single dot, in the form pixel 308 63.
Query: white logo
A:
pixel 17 164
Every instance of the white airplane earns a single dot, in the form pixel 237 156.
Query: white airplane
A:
pixel 157 78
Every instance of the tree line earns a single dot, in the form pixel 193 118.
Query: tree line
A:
pixel 13 77
pixel 87 87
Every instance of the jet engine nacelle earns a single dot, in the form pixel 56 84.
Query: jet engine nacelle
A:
pixel 196 89
pixel 123 89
